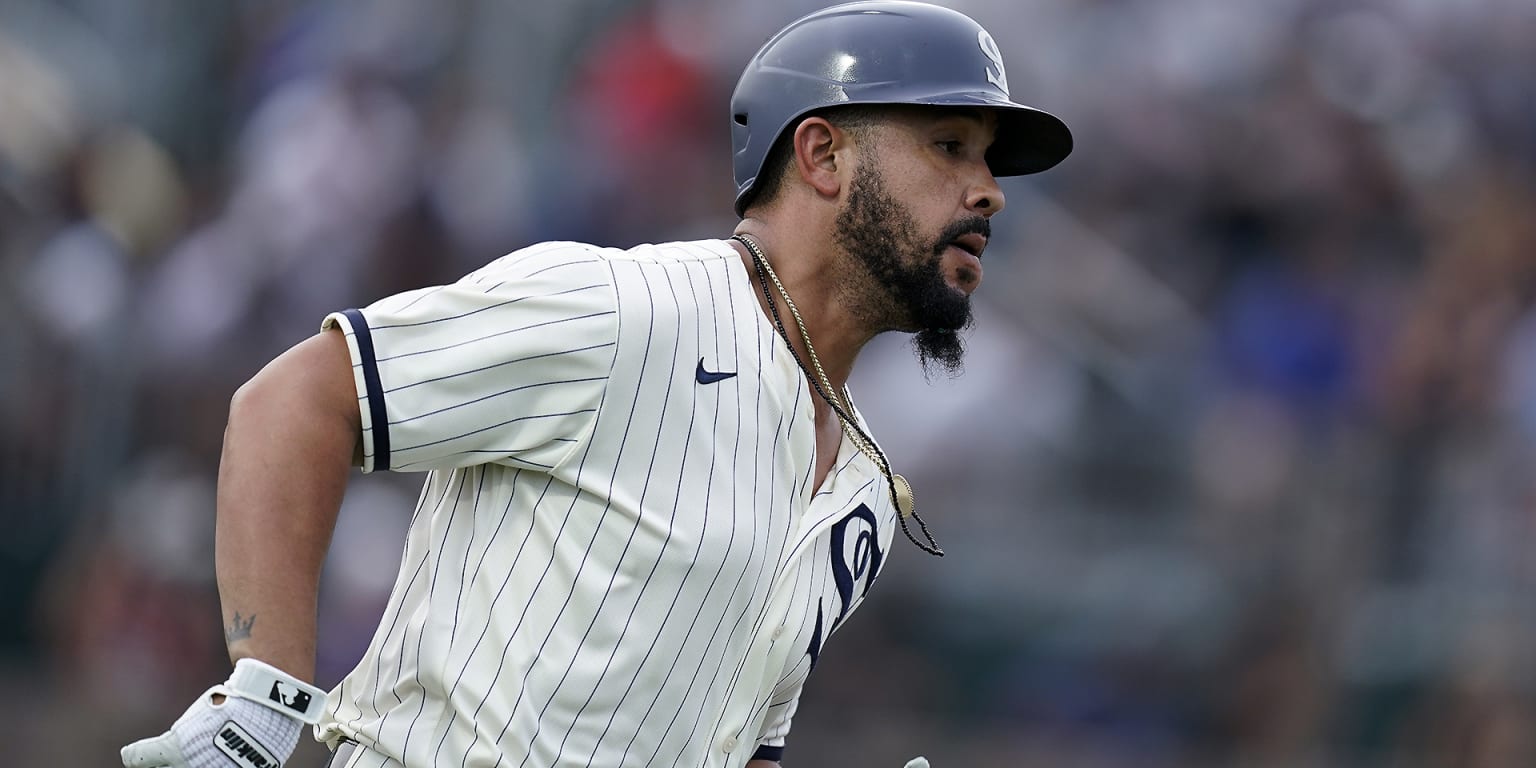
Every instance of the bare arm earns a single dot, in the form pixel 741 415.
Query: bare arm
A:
pixel 294 433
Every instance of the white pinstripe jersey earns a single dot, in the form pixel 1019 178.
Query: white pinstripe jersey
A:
pixel 618 558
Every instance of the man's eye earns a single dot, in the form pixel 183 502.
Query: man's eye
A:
pixel 950 147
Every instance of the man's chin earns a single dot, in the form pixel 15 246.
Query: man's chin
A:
pixel 963 278
pixel 962 290
pixel 948 311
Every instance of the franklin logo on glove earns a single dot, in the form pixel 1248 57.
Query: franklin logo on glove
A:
pixel 238 744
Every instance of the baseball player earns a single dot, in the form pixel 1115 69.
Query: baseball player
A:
pixel 650 499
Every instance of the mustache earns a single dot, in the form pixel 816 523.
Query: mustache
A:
pixel 975 225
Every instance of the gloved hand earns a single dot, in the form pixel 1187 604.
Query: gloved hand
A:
pixel 917 762
pixel 255 725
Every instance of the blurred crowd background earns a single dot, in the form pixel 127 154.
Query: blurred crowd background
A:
pixel 1242 471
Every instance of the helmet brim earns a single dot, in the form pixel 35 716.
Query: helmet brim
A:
pixel 1028 140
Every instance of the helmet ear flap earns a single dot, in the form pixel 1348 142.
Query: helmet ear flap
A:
pixel 881 52
pixel 740 128
pixel 741 141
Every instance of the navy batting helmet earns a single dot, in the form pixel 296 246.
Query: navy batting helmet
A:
pixel 884 52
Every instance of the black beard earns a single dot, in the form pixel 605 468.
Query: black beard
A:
pixel 881 235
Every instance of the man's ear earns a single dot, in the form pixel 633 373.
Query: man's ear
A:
pixel 822 155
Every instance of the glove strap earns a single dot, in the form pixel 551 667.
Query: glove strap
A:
pixel 270 687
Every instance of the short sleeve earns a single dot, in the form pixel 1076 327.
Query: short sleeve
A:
pixel 507 365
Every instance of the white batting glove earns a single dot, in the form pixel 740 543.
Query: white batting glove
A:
pixel 256 725
pixel 917 762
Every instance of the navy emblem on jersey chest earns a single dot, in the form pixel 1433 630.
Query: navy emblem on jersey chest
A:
pixel 855 558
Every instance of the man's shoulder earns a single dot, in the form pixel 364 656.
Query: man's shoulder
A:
pixel 559 253
pixel 676 251
pixel 548 255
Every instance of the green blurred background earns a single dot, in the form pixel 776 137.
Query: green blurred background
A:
pixel 1240 473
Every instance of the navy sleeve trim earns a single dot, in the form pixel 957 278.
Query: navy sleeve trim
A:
pixel 376 413
pixel 765 752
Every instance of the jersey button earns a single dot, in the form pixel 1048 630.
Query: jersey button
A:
pixel 779 630
pixel 728 744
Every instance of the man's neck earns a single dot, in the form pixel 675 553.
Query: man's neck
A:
pixel 809 277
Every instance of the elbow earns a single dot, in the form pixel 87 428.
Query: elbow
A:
pixel 256 402
pixel 241 402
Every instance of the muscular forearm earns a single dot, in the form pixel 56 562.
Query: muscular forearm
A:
pixel 288 449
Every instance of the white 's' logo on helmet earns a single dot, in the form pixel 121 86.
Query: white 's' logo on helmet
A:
pixel 998 78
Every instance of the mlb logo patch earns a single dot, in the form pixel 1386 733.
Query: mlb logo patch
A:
pixel 290 697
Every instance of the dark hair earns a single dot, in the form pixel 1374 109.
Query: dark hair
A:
pixel 856 119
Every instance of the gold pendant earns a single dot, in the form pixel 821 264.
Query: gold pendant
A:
pixel 905 504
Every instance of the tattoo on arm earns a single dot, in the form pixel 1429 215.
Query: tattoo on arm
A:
pixel 239 628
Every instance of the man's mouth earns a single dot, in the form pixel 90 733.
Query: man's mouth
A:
pixel 971 242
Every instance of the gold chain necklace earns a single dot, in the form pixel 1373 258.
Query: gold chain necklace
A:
pixel 900 489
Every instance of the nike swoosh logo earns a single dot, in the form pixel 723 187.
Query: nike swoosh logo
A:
pixel 711 377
